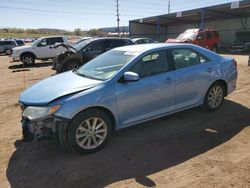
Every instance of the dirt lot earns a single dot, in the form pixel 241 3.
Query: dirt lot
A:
pixel 188 149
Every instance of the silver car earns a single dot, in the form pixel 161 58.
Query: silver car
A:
pixel 6 46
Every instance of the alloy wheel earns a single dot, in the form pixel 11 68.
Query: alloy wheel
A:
pixel 215 97
pixel 91 133
pixel 28 60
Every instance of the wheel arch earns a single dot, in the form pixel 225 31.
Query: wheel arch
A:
pixel 103 109
pixel 223 82
pixel 69 59
pixel 28 52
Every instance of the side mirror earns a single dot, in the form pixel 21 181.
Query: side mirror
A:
pixel 131 76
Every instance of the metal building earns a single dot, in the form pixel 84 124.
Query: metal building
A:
pixel 226 18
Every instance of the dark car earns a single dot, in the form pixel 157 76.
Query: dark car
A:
pixel 143 40
pixel 84 51
pixel 6 46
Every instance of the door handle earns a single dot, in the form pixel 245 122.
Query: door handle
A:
pixel 209 69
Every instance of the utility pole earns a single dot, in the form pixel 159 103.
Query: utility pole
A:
pixel 118 16
pixel 168 6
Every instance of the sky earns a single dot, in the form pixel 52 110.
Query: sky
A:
pixel 87 14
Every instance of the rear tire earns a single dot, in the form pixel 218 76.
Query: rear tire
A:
pixel 89 131
pixel 8 51
pixel 214 97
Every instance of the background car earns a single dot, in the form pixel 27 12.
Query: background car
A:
pixel 86 50
pixel 123 87
pixel 142 40
pixel 207 38
pixel 40 49
pixel 6 46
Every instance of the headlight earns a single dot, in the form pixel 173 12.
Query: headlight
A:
pixel 15 51
pixel 33 112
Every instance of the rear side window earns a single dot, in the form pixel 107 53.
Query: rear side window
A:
pixel 110 44
pixel 186 58
pixel 209 34
pixel 52 41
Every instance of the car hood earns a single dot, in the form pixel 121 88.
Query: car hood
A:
pixel 173 41
pixel 179 41
pixel 54 87
pixel 22 47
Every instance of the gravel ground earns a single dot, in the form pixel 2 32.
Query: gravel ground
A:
pixel 188 149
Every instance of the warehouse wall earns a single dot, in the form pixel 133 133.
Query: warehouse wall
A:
pixel 226 28
pixel 147 30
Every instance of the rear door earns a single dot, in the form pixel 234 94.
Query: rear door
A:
pixel 193 74
pixel 114 43
pixel 55 51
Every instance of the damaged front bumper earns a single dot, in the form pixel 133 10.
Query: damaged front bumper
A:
pixel 52 126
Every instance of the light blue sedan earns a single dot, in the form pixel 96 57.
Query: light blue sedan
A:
pixel 124 87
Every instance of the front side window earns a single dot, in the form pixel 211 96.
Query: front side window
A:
pixel 43 42
pixel 186 58
pixel 151 64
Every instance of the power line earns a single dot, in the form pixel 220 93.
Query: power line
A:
pixel 55 11
pixel 118 17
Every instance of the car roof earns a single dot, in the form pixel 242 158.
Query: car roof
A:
pixel 109 38
pixel 145 47
pixel 134 39
pixel 52 37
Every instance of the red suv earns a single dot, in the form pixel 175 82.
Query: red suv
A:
pixel 207 38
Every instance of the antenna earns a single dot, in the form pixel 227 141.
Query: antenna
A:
pixel 118 16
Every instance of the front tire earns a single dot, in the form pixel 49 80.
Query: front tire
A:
pixel 72 65
pixel 28 59
pixel 89 131
pixel 214 97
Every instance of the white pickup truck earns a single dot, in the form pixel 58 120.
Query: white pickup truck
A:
pixel 40 49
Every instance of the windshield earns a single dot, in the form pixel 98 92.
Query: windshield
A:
pixel 187 35
pixel 78 46
pixel 106 65
pixel 35 43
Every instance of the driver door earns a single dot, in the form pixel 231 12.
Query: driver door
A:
pixel 152 95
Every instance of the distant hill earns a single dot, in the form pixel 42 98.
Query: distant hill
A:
pixel 49 30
